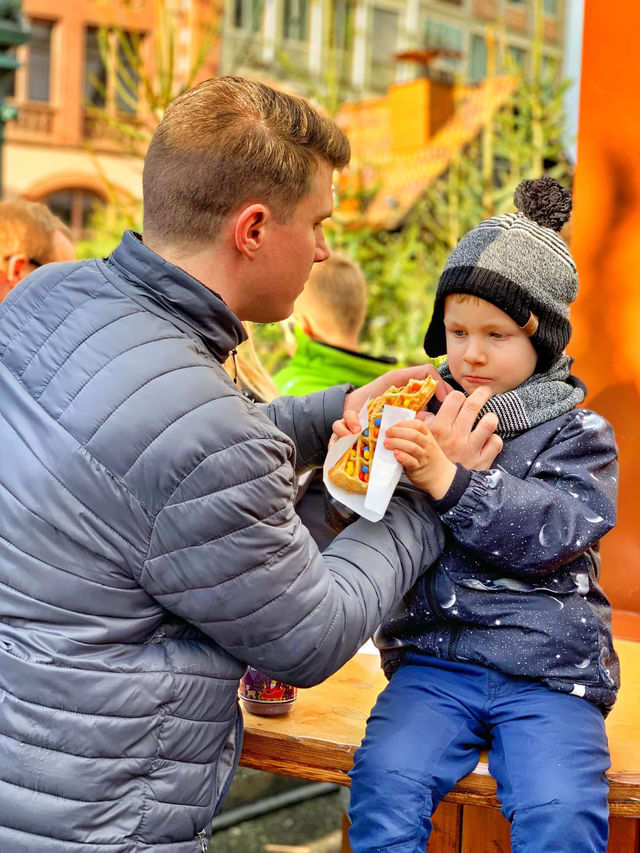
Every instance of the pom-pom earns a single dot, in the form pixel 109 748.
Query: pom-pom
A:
pixel 544 201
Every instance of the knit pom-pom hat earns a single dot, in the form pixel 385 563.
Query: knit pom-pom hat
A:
pixel 519 263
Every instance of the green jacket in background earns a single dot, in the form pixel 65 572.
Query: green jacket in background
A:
pixel 317 366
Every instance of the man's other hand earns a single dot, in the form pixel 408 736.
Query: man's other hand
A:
pixel 454 427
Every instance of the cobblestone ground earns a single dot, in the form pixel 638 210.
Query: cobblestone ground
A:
pixel 312 826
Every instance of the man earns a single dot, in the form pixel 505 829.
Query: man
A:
pixel 30 236
pixel 149 547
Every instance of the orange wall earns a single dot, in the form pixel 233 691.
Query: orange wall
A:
pixel 606 245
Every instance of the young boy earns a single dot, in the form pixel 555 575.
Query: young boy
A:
pixel 505 642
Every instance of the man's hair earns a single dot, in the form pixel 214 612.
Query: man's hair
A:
pixel 28 227
pixel 336 295
pixel 225 143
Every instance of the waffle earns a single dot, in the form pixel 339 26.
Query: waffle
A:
pixel 351 471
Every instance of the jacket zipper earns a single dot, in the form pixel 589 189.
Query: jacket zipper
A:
pixel 202 838
pixel 453 643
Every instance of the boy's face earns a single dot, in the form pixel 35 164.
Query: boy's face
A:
pixel 485 346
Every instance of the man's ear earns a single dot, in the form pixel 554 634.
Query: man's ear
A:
pixel 249 229
pixel 17 268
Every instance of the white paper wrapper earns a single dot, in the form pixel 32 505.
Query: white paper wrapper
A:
pixel 385 469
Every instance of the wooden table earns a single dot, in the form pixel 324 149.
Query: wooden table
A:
pixel 318 738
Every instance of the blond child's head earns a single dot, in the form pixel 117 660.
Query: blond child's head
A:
pixel 30 236
pixel 523 279
pixel 331 309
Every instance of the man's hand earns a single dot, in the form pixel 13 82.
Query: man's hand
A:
pixel 424 461
pixel 453 429
pixel 355 400
pixel 348 425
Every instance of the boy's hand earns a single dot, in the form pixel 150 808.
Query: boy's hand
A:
pixel 453 429
pixel 425 463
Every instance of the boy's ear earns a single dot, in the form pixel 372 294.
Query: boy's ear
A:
pixel 249 231
pixel 303 320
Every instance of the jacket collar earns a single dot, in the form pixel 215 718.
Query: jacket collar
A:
pixel 171 292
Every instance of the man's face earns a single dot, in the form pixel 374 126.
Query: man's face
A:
pixel 289 251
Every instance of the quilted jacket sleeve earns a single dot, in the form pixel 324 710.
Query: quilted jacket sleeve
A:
pixel 531 527
pixel 307 421
pixel 228 554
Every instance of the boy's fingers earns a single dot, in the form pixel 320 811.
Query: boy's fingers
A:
pixel 406 460
pixel 407 448
pixel 418 432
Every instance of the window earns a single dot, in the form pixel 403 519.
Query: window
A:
pixel 343 23
pixel 343 30
pixel 127 51
pixel 384 41
pixel 95 70
pixel 295 20
pixel 437 34
pixel 478 70
pixel 9 79
pixel 75 207
pixel 39 62
pixel 111 77
pixel 549 72
pixel 246 15
pixel 519 58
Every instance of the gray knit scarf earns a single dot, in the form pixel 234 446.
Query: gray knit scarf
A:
pixel 540 398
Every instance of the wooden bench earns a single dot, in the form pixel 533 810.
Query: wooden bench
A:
pixel 318 739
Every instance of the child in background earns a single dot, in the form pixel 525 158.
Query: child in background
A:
pixel 329 315
pixel 505 642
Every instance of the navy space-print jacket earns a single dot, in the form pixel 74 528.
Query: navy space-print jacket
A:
pixel 516 587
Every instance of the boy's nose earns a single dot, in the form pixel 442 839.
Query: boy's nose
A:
pixel 474 353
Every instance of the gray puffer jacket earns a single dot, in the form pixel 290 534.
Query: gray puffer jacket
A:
pixel 149 550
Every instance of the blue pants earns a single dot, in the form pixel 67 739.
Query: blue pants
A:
pixel 547 751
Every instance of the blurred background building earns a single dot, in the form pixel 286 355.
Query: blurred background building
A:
pixel 87 64
pixel 356 41
pixel 81 66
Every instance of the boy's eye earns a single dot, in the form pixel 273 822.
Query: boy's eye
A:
pixel 457 333
pixel 498 336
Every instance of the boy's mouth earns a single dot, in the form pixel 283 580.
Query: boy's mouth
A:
pixel 478 380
